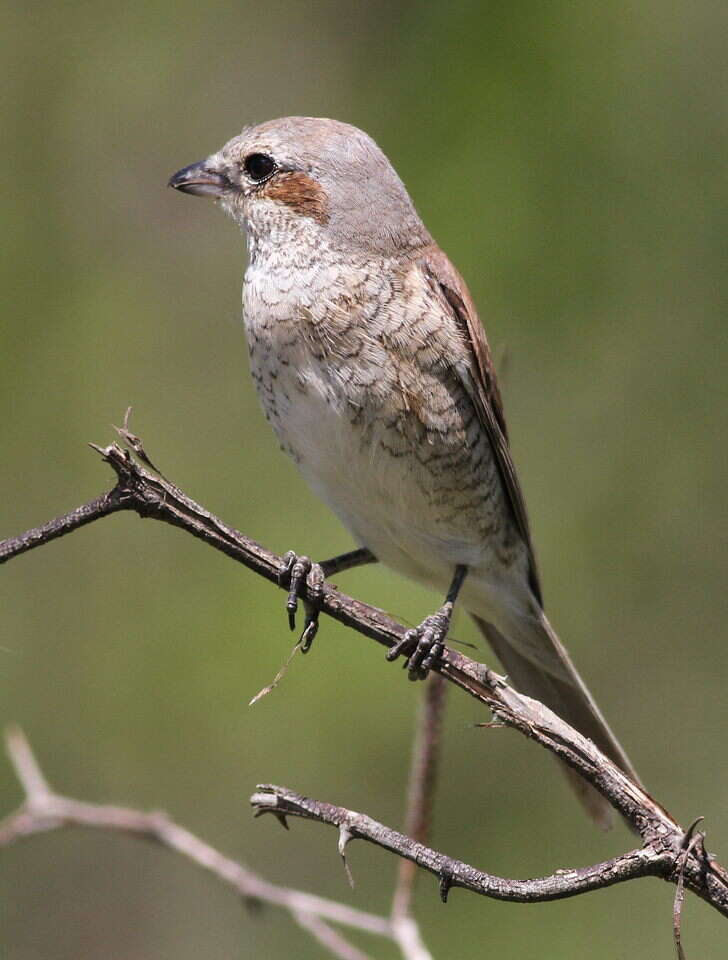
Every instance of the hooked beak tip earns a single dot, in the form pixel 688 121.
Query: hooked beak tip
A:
pixel 200 181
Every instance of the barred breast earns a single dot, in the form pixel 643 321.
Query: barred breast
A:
pixel 356 376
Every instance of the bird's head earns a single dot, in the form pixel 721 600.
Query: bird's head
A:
pixel 302 174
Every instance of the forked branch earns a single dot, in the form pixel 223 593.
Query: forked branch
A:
pixel 43 810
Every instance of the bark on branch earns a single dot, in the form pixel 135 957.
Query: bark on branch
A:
pixel 668 851
pixel 645 861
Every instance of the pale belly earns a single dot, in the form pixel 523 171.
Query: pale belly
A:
pixel 414 502
pixel 382 498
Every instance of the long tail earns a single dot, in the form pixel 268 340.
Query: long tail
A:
pixel 538 665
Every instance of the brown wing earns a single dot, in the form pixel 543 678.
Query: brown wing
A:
pixel 483 387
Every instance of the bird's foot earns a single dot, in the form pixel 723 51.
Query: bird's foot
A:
pixel 305 581
pixel 424 645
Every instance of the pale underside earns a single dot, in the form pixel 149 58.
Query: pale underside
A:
pixel 366 391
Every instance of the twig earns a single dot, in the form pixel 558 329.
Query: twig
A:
pixel 647 861
pixel 420 797
pixel 690 841
pixel 102 506
pixel 330 938
pixel 43 810
pixel 153 496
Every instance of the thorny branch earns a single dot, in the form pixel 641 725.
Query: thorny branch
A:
pixel 646 861
pixel 664 852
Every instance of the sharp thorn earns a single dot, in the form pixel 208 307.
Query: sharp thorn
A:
pixel 281 818
pixel 345 835
pixel 308 635
pixel 445 884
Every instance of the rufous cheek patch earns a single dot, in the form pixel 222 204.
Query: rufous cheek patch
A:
pixel 301 193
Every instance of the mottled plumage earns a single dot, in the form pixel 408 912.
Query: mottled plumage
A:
pixel 374 371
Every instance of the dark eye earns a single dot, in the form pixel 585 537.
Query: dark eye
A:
pixel 259 166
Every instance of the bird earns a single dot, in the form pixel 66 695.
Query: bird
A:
pixel 374 371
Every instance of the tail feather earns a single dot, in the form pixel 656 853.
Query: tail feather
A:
pixel 560 688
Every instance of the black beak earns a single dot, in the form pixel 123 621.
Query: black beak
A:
pixel 199 180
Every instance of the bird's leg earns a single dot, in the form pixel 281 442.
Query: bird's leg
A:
pixel 347 561
pixel 300 575
pixel 424 645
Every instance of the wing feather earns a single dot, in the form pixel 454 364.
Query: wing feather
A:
pixel 482 386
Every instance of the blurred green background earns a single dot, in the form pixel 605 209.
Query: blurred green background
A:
pixel 571 159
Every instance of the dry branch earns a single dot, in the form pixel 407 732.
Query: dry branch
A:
pixel 664 852
pixel 43 810
pixel 420 798
pixel 646 861
pixel 423 771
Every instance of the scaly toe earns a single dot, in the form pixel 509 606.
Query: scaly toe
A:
pixel 404 646
pixel 434 657
pixel 301 576
pixel 315 586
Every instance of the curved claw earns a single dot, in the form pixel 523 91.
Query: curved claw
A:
pixel 401 646
pixel 309 633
